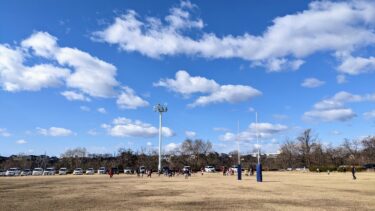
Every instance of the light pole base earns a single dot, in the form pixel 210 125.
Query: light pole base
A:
pixel 259 173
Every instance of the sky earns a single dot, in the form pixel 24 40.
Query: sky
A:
pixel 74 74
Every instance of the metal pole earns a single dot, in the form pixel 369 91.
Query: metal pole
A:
pixel 160 137
pixel 259 165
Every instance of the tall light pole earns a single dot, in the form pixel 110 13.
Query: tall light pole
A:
pixel 160 109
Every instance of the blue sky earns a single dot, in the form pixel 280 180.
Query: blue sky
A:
pixel 74 74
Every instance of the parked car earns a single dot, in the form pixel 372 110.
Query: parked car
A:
pixel 142 169
pixel 26 172
pixel 128 170
pixel 186 168
pixel 49 171
pixel 115 170
pixel 209 169
pixel 63 171
pixel 37 172
pixel 78 171
pixel 369 166
pixel 102 170
pixel 2 172
pixel 13 172
pixel 90 171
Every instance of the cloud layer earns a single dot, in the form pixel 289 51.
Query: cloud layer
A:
pixel 338 27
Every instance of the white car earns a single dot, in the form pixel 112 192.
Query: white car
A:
pixel 186 168
pixel 142 169
pixel 2 172
pixel 101 170
pixel 13 172
pixel 128 171
pixel 78 171
pixel 26 172
pixel 209 169
pixel 63 171
pixel 49 171
pixel 90 171
pixel 37 172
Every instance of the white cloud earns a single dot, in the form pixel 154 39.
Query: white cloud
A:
pixel 149 144
pixel 333 109
pixel 312 83
pixel 85 108
pixel 186 84
pixel 329 115
pixel 4 132
pixel 369 115
pixel 123 127
pixel 129 100
pixel 102 110
pixel 15 76
pixel 338 100
pixel 335 132
pixel 72 95
pixel 55 131
pixel 264 130
pixel 229 94
pixel 190 134
pixel 280 116
pixel 357 65
pixel 171 147
pixel 323 27
pixel 341 79
pixel 21 141
pixel 91 75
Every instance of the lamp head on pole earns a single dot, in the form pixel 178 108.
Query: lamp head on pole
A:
pixel 160 108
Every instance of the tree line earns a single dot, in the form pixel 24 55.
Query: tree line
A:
pixel 303 151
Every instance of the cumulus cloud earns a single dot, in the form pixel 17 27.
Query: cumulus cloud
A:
pixel 67 66
pixel 333 109
pixel 129 100
pixel 16 76
pixel 190 134
pixel 369 115
pixel 264 130
pixel 124 127
pixel 357 65
pixel 72 95
pixel 329 115
pixel 229 94
pixel 4 132
pixel 185 84
pixel 21 141
pixel 54 131
pixel 325 26
pixel 312 83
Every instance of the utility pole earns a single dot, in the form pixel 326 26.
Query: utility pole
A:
pixel 160 109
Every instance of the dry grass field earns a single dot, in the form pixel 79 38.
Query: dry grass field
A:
pixel 279 191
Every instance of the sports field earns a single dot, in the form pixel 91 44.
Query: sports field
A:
pixel 279 191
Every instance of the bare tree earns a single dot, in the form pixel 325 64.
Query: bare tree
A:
pixel 305 142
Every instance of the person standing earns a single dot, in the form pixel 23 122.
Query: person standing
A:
pixel 353 173
pixel 110 173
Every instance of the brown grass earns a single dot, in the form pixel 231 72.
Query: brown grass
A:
pixel 279 191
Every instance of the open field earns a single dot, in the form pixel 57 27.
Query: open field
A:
pixel 279 191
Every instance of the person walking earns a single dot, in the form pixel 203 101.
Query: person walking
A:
pixel 353 173
pixel 110 173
